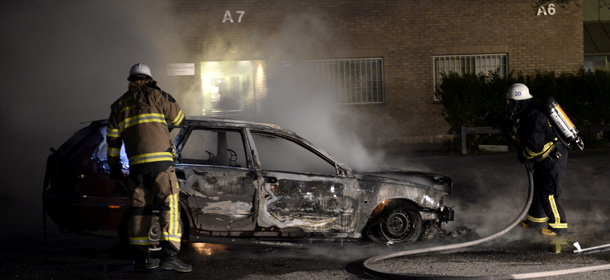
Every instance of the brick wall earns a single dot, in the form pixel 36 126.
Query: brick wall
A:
pixel 407 34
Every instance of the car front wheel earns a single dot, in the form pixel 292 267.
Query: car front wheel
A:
pixel 401 223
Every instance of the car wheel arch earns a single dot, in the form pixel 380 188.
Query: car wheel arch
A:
pixel 392 203
pixel 406 219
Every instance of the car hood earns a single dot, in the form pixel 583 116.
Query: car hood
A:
pixel 435 181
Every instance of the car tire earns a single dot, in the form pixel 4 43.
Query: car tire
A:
pixel 399 224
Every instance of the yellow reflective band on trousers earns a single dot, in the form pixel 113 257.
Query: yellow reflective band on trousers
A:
pixel 174 232
pixel 151 157
pixel 557 223
pixel 162 194
pixel 537 220
pixel 529 154
pixel 143 241
pixel 143 118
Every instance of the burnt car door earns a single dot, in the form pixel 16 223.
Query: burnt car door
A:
pixel 302 188
pixel 212 168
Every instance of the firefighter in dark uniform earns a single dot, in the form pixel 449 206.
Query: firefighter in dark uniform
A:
pixel 542 148
pixel 140 119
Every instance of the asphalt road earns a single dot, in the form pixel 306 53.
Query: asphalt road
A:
pixel 489 193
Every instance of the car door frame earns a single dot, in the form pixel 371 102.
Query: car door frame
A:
pixel 343 185
pixel 211 215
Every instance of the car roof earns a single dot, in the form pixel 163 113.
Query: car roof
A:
pixel 221 122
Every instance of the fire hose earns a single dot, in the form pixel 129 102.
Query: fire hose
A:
pixel 367 265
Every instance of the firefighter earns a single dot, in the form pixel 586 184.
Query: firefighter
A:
pixel 542 149
pixel 139 119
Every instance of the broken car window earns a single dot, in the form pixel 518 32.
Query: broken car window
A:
pixel 214 147
pixel 280 154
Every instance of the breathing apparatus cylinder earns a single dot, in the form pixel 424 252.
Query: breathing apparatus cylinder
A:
pixel 563 125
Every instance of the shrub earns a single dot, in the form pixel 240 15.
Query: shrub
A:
pixel 479 100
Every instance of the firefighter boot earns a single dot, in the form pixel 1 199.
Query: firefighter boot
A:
pixel 527 224
pixel 553 232
pixel 147 263
pixel 171 262
pixel 143 259
pixel 548 232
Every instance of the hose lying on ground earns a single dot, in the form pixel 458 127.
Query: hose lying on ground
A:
pixel 369 270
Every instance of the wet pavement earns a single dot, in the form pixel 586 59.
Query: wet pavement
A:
pixel 489 193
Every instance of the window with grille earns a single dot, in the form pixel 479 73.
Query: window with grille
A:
pixel 353 81
pixel 469 64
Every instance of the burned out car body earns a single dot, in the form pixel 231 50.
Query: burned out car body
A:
pixel 249 180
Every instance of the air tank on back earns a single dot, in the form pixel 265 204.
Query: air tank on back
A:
pixel 562 124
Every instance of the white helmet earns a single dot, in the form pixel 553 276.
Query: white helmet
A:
pixel 139 69
pixel 518 91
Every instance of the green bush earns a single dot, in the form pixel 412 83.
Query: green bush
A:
pixel 477 100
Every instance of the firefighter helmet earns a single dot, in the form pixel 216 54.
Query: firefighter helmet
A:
pixel 518 91
pixel 517 98
pixel 139 69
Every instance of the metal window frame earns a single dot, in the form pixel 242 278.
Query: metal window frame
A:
pixel 474 63
pixel 353 80
pixel 605 67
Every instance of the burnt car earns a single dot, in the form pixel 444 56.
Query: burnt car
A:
pixel 248 181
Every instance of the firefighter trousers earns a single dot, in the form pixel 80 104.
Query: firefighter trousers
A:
pixel 546 205
pixel 157 191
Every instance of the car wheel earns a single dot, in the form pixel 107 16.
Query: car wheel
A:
pixel 398 224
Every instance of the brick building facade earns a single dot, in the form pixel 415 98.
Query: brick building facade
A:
pixel 268 49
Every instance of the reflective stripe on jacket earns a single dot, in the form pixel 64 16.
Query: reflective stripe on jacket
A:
pixel 140 119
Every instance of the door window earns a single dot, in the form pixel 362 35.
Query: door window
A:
pixel 280 154
pixel 214 147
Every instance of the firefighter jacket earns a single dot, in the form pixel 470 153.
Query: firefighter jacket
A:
pixel 140 119
pixel 536 134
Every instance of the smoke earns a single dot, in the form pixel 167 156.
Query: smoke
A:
pixel 289 100
pixel 63 63
pixel 311 110
pixel 317 117
pixel 491 191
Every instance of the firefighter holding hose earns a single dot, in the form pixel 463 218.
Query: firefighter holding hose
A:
pixel 140 119
pixel 543 149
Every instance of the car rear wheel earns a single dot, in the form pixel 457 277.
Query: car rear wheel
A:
pixel 401 223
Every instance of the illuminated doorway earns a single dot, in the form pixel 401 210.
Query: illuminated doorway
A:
pixel 233 88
